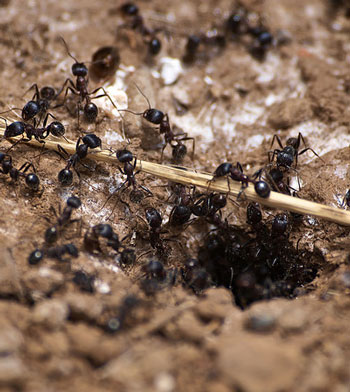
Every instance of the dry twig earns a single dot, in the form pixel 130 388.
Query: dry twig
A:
pixel 199 179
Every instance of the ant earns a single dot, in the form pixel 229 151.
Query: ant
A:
pixel 290 152
pixel 179 149
pixel 18 128
pixel 63 219
pixel 211 38
pixel 80 88
pixel 104 230
pixel 136 195
pixel 65 176
pixel 157 277
pixel 84 281
pixel 31 179
pixel 131 11
pixel 116 323
pixel 236 173
pixel 38 105
pixel 275 176
pixel 157 117
pixel 56 252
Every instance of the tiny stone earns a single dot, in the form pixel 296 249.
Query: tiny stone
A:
pixel 260 323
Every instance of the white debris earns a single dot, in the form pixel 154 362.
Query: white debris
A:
pixel 170 70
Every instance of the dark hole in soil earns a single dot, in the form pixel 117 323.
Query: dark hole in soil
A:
pixel 257 266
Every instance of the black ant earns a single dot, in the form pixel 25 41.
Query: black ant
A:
pixel 236 174
pixel 65 176
pixel 194 42
pixel 63 219
pixel 179 149
pixel 290 152
pixel 154 116
pixel 18 128
pixel 31 179
pixel 275 177
pixel 38 105
pixel 116 323
pixel 80 88
pixel 56 252
pixel 126 157
pixel 84 281
pixel 157 117
pixel 131 11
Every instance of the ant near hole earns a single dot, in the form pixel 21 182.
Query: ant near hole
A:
pixel 157 117
pixel 288 154
pixel 80 89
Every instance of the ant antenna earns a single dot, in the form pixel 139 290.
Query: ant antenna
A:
pixel 149 104
pixel 67 49
pixel 5 120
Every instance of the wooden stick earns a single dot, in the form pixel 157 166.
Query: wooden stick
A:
pixel 199 179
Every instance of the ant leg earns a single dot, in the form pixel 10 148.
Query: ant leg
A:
pixel 276 137
pixel 64 85
pixel 105 94
pixel 239 167
pixel 37 94
pixel 309 149
pixel 25 167
pixel 17 142
pixel 62 151
pixel 46 118
pixel 161 155
pixel 146 190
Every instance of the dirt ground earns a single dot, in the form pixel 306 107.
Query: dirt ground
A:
pixel 53 334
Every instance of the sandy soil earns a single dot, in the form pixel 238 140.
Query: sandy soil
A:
pixel 54 334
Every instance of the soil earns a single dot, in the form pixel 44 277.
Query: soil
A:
pixel 52 334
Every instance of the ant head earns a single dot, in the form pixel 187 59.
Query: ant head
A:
pixel 155 269
pixel 103 230
pixel 154 46
pixel 153 217
pixel 73 202
pixel 154 116
pixel 293 142
pixel 56 129
pixel 254 215
pixel 47 93
pixel 79 69
pixel 124 156
pixel 129 9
